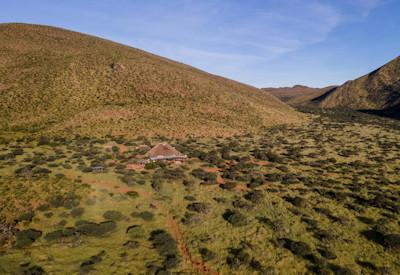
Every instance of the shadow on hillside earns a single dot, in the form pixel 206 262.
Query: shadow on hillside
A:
pixel 393 113
pixel 324 95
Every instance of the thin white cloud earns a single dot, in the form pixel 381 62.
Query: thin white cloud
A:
pixel 224 36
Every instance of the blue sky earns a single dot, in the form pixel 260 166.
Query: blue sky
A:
pixel 259 42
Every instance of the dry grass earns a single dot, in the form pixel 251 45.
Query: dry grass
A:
pixel 315 202
pixel 55 81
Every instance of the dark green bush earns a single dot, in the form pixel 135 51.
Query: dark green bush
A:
pixel 163 243
pixel 145 215
pixel 77 212
pixel 199 207
pixel 131 244
pixel 298 248
pixel 113 215
pixel 135 231
pixel 132 194
pixel 235 218
pixel 95 229
pixel 27 216
pixel 204 175
pixel 255 196
pixel 206 254
pixel 27 237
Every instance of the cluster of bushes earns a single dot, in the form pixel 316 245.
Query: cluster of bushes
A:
pixel 235 218
pixel 255 196
pixel 95 229
pixel 154 165
pixel 319 265
pixel 211 157
pixel 204 175
pixel 206 254
pixel 32 170
pixel 26 216
pixel 173 174
pixel 156 182
pixel 379 235
pixel 267 155
pixel 132 194
pixel 68 201
pixel 380 201
pixel 88 265
pixel 166 246
pixel 256 181
pixel 131 244
pixel 113 215
pixel 27 237
pixel 199 207
pixel 296 201
pixel 145 215
pixel 241 204
pixel 239 257
pixel 190 218
pixel 131 179
pixel 135 231
pixel 77 212
pixel 33 270
pixel 230 185
pixel 61 234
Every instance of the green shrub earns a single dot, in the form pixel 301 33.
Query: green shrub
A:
pixel 95 229
pixel 199 207
pixel 135 231
pixel 27 216
pixel 77 212
pixel 113 215
pixel 204 175
pixel 235 218
pixel 27 237
pixel 145 215
pixel 206 254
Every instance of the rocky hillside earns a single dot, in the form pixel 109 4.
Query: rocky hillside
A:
pixel 59 81
pixel 378 90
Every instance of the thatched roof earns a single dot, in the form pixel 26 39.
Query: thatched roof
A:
pixel 164 150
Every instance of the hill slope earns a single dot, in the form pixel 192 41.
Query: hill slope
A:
pixel 55 80
pixel 297 93
pixel 378 90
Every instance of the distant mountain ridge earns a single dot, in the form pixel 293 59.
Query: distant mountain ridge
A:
pixel 59 81
pixel 291 95
pixel 378 90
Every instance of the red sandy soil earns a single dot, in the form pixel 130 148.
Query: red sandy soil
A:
pixel 241 188
pixel 196 264
pixel 216 170
pixel 261 162
pixel 123 148
pixel 134 166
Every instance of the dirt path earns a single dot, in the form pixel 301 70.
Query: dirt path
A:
pixel 196 264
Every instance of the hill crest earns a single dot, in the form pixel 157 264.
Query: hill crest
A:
pixel 60 81
pixel 378 90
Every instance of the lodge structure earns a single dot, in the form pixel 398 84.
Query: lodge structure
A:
pixel 164 151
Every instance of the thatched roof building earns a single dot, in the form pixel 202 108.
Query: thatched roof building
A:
pixel 164 151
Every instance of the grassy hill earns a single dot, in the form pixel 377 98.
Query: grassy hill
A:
pixel 59 81
pixel 378 90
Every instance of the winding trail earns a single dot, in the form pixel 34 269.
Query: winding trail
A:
pixel 196 264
